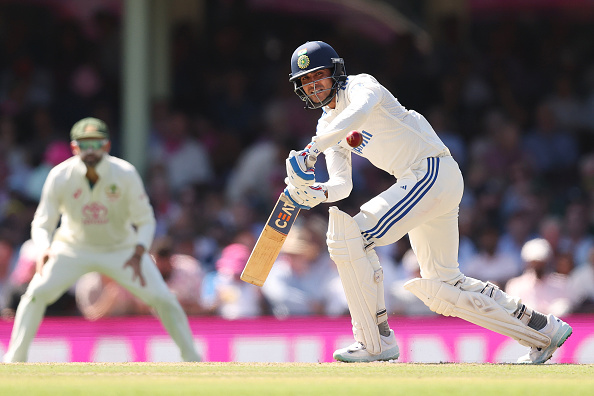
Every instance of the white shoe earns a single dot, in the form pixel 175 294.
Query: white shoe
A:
pixel 357 352
pixel 559 331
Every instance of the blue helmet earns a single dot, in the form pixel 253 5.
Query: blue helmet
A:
pixel 312 56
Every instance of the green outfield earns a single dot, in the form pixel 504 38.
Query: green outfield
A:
pixel 294 379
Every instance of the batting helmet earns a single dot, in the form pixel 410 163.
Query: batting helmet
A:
pixel 312 56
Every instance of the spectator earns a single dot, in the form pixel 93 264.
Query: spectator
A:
pixel 489 263
pixel 581 284
pixel 268 158
pixel 167 209
pixel 550 229
pixel 503 150
pixel 518 230
pixel 99 296
pixel 552 151
pixel 438 118
pixel 182 273
pixel 576 239
pixel 399 301
pixel 225 294
pixel 521 191
pixel 539 286
pixel 15 155
pixel 586 171
pixel 565 104
pixel 184 157
pixel 563 264
pixel 298 284
pixel 24 84
pixel 55 153
pixel 315 227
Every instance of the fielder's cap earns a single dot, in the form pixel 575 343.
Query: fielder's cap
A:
pixel 89 128
pixel 536 250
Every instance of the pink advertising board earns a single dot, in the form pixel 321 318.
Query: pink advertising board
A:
pixel 313 339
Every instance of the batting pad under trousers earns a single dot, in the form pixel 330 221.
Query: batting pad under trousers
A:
pixel 64 268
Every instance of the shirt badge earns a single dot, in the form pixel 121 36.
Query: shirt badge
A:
pixel 113 192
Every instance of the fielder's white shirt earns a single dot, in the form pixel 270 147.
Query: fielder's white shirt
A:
pixel 94 218
pixel 394 138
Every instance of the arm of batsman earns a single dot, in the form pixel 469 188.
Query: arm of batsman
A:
pixel 308 197
pixel 299 171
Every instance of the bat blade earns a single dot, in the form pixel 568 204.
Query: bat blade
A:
pixel 270 242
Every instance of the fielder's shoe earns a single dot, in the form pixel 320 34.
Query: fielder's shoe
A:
pixel 357 352
pixel 559 331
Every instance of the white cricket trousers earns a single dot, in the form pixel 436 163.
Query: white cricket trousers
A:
pixel 64 268
pixel 423 203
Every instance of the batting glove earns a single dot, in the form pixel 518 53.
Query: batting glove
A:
pixel 308 197
pixel 299 174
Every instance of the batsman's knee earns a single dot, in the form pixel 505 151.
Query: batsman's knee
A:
pixel 344 240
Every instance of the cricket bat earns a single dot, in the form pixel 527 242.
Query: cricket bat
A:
pixel 270 242
pixel 281 220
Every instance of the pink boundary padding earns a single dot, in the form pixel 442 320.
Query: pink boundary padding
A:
pixel 218 334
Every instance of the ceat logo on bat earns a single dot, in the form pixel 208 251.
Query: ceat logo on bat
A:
pixel 282 217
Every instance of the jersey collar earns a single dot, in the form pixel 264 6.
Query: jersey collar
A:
pixel 102 167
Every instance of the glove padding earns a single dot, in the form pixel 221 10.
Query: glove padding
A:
pixel 308 197
pixel 298 172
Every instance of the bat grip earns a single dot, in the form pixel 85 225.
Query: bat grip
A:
pixel 310 160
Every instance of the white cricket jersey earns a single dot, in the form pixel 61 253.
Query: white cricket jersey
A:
pixel 394 138
pixel 95 218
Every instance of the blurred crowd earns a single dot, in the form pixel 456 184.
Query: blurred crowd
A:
pixel 512 97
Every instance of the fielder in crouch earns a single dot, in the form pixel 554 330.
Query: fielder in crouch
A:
pixel 98 198
pixel 423 202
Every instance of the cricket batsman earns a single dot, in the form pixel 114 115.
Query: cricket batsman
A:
pixel 106 225
pixel 423 202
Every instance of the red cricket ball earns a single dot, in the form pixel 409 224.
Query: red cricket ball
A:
pixel 354 138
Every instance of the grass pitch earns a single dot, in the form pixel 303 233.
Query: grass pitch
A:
pixel 294 379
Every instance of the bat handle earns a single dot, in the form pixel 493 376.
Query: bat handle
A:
pixel 310 160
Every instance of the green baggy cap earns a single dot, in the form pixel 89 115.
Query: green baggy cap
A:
pixel 88 128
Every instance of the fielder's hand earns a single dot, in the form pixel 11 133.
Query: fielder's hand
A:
pixel 299 174
pixel 308 197
pixel 41 260
pixel 135 262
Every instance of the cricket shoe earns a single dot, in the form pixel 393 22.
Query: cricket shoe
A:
pixel 559 331
pixel 356 353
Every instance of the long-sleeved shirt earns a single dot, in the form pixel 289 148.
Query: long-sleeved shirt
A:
pixel 394 138
pixel 101 217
